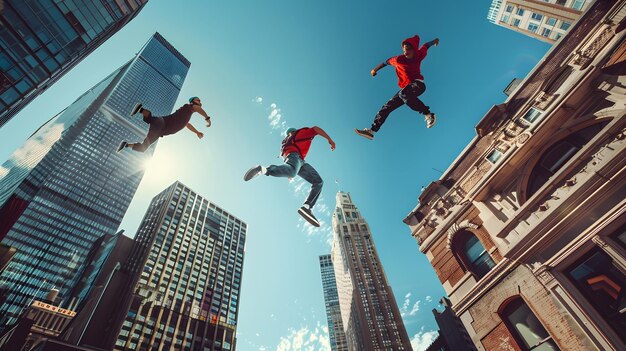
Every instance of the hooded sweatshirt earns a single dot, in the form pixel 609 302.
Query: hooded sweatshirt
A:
pixel 408 70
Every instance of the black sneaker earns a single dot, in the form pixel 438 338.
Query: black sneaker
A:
pixel 430 120
pixel 122 146
pixel 137 108
pixel 306 214
pixel 253 172
pixel 365 132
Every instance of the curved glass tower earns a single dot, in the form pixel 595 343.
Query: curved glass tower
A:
pixel 66 186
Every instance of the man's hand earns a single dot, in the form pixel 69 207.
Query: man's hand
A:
pixel 208 122
pixel 436 42
pixel 200 135
pixel 373 73
pixel 332 145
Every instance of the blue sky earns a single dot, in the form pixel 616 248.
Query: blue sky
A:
pixel 309 63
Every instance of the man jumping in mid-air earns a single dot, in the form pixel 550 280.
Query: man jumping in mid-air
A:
pixel 411 84
pixel 294 149
pixel 161 126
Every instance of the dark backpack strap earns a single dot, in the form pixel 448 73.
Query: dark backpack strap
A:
pixel 293 142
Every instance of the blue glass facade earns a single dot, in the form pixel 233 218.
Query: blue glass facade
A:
pixel 336 335
pixel 40 40
pixel 66 186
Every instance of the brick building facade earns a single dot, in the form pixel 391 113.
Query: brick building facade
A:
pixel 526 230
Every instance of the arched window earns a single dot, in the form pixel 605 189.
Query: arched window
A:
pixel 558 154
pixel 525 327
pixel 472 253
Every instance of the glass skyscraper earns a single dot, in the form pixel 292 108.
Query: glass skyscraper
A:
pixel 66 186
pixel 40 40
pixel 336 335
pixel 192 277
pixel 370 315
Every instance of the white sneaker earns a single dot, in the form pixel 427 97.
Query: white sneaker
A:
pixel 254 171
pixel 430 120
pixel 138 106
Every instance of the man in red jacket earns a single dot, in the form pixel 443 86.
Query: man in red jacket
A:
pixel 294 150
pixel 411 84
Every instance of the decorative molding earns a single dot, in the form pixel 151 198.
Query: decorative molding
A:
pixel 544 275
pixel 456 227
pixel 583 57
pixel 599 241
pixel 522 138
pixel 542 100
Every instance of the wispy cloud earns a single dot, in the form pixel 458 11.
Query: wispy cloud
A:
pixel 299 186
pixel 405 304
pixel 429 298
pixel 276 118
pixel 422 339
pixel 305 339
pixel 416 308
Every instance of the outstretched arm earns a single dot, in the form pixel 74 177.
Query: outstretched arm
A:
pixel 321 132
pixel 207 118
pixel 193 129
pixel 423 50
pixel 377 68
pixel 434 42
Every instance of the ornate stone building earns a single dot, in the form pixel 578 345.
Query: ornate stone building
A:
pixel 527 228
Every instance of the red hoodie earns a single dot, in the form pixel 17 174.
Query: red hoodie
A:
pixel 408 70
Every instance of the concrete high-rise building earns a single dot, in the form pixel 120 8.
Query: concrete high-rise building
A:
pixel 66 186
pixel 546 20
pixel 191 283
pixel 369 312
pixel 526 229
pixel 336 335
pixel 40 41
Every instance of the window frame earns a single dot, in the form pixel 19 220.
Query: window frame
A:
pixel 459 250
pixel 512 305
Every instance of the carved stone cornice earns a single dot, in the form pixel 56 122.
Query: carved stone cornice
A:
pixel 584 56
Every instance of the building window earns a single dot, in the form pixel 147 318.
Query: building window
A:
pixel 545 32
pixel 509 8
pixel 537 17
pixel 526 327
pixel 533 27
pixel 565 25
pixel 531 115
pixel 551 21
pixel 472 254
pixel 578 4
pixel 505 18
pixel 494 156
pixel 516 22
pixel 558 154
pixel 603 284
pixel 520 12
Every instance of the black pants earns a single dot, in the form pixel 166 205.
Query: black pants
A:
pixel 407 95
pixel 154 133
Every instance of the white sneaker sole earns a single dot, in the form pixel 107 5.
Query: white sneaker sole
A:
pixel 122 146
pixel 312 220
pixel 135 109
pixel 363 134
pixel 430 125
pixel 252 172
